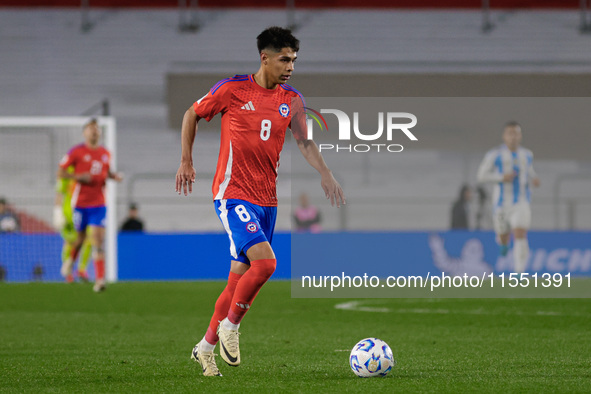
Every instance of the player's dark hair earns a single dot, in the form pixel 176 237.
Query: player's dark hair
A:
pixel 512 123
pixel 91 122
pixel 277 38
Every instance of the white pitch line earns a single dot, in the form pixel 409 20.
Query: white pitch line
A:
pixel 358 306
pixel 423 310
pixel 355 306
pixel 548 313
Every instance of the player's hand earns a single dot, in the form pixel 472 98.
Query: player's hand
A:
pixel 535 182
pixel 84 178
pixel 185 177
pixel 117 176
pixel 332 190
pixel 508 178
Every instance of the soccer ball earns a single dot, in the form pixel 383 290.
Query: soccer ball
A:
pixel 371 357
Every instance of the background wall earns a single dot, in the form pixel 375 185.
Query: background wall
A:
pixel 152 257
pixel 183 88
pixel 149 67
pixel 300 3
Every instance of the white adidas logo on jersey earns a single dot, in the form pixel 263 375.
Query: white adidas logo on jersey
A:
pixel 248 106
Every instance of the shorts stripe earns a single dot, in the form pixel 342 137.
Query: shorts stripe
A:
pixel 224 219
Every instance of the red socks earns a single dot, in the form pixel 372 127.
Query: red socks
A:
pixel 221 308
pixel 99 269
pixel 248 287
pixel 238 295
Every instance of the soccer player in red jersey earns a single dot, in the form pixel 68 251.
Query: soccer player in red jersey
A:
pixel 256 111
pixel 91 163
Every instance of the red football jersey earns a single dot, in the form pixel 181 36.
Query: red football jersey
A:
pixel 94 161
pixel 254 121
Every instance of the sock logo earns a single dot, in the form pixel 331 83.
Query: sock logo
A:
pixel 243 306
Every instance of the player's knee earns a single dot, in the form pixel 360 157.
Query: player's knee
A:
pixel 78 244
pixel 504 238
pixel 80 238
pixel 238 267
pixel 260 251
pixel 265 267
pixel 520 233
pixel 98 252
pixel 98 239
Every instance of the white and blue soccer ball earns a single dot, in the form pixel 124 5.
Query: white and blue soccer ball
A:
pixel 371 357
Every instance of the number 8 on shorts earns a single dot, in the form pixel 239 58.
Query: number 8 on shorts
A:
pixel 242 213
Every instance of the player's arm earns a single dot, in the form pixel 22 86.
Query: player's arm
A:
pixel 116 176
pixel 488 173
pixel 214 102
pixel 331 187
pixel 185 176
pixel 535 180
pixel 69 162
pixel 82 178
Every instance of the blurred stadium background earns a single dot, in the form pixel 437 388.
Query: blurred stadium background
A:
pixel 144 63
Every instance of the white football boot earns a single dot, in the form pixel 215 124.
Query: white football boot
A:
pixel 206 360
pixel 229 346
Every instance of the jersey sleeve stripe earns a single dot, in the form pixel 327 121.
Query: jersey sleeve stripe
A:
pixel 238 76
pixel 292 89
pixel 223 81
pixel 218 83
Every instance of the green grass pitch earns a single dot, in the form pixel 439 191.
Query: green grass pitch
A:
pixel 137 337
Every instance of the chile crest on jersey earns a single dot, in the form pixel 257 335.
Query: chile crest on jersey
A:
pixel 284 110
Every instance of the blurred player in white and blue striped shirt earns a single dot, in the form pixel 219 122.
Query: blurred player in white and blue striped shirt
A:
pixel 510 167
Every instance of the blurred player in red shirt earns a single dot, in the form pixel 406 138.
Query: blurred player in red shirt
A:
pixel 91 163
pixel 256 111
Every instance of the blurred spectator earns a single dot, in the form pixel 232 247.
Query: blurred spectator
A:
pixel 2 274
pixel 38 272
pixel 8 220
pixel 133 222
pixel 459 211
pixel 484 213
pixel 306 216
